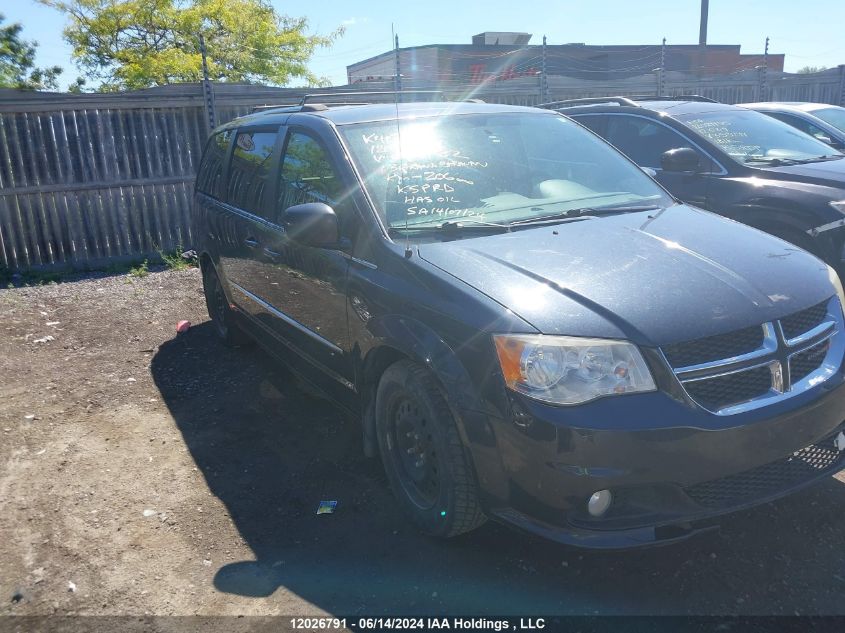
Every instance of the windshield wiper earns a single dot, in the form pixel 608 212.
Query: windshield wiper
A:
pixel 823 157
pixel 451 225
pixel 772 160
pixel 584 213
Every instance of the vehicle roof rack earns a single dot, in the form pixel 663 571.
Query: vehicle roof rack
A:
pixel 673 98
pixel 623 101
pixel 356 93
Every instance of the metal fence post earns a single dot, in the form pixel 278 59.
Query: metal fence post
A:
pixel 397 82
pixel 208 91
pixel 764 74
pixel 544 79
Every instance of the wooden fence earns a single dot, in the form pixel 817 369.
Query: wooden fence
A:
pixel 91 179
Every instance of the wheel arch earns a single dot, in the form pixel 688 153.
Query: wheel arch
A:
pixel 399 338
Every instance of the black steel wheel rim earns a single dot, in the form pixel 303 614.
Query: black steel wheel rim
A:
pixel 414 453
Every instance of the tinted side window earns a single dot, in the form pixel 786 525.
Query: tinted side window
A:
pixel 307 174
pixel 594 122
pixel 250 169
pixel 210 173
pixel 803 125
pixel 643 141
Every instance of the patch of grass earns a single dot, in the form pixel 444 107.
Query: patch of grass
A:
pixel 32 277
pixel 175 261
pixel 5 274
pixel 141 270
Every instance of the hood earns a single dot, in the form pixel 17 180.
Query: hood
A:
pixel 830 173
pixel 651 277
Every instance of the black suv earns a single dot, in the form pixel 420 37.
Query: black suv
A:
pixel 733 161
pixel 528 326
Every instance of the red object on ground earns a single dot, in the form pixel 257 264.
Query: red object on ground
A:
pixel 182 326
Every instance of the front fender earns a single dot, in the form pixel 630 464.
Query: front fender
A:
pixel 416 341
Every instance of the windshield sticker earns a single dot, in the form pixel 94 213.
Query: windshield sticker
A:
pixel 722 134
pixel 425 178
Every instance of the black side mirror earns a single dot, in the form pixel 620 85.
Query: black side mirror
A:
pixel 311 224
pixel 680 159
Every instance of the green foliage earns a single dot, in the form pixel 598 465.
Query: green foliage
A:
pixel 141 270
pixel 17 62
pixel 175 261
pixel 131 44
pixel 809 70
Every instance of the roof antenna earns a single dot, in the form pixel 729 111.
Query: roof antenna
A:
pixel 397 86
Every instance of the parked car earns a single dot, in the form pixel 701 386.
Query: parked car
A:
pixel 730 160
pixel 820 120
pixel 529 327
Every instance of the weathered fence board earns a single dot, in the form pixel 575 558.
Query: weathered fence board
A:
pixel 93 178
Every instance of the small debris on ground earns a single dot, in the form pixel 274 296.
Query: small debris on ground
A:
pixel 149 513
pixel 182 327
pixel 71 586
pixel 326 507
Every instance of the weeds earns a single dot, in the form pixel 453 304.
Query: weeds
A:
pixel 176 260
pixel 141 270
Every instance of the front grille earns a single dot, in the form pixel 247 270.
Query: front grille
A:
pixel 804 321
pixel 769 479
pixel 805 363
pixel 730 389
pixel 748 365
pixel 705 350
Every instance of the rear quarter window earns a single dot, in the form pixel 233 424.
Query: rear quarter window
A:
pixel 250 168
pixel 210 174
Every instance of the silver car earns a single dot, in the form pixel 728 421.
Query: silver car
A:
pixel 821 120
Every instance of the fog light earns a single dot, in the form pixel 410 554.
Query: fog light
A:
pixel 598 504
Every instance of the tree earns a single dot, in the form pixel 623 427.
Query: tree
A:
pixel 809 70
pixel 17 62
pixel 131 44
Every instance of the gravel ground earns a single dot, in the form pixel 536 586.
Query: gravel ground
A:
pixel 145 473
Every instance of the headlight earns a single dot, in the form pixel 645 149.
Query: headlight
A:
pixel 837 283
pixel 839 206
pixel 570 370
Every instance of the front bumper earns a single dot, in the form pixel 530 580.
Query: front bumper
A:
pixel 668 481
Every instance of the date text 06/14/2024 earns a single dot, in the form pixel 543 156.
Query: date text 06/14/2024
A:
pixel 408 624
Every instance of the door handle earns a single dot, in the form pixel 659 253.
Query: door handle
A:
pixel 251 242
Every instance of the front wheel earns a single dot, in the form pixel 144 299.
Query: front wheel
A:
pixel 422 452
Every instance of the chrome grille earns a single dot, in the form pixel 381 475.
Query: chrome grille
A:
pixel 713 393
pixel 747 368
pixel 712 348
pixel 806 362
pixel 796 324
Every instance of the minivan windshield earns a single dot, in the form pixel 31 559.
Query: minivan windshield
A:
pixel 750 137
pixel 833 116
pixel 498 168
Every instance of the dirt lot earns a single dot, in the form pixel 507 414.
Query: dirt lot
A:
pixel 145 473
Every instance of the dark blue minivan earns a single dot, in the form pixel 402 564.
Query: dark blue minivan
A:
pixel 529 327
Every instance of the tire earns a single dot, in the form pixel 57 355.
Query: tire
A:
pixel 222 317
pixel 422 452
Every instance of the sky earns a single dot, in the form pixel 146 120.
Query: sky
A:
pixel 809 32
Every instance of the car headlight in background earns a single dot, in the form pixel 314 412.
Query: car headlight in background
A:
pixel 571 370
pixel 837 283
